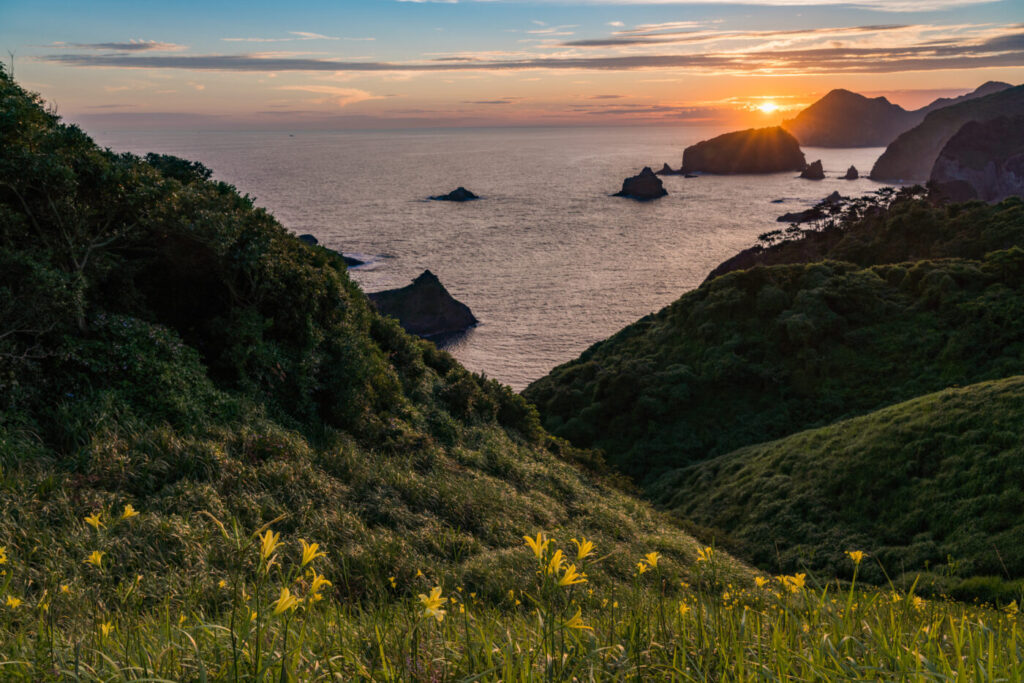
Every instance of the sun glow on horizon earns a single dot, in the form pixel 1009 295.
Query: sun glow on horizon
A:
pixel 768 107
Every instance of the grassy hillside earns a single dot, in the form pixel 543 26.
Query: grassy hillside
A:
pixel 759 354
pixel 165 344
pixel 930 483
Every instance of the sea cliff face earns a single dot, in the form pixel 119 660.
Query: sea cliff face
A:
pixel 756 150
pixel 911 156
pixel 984 160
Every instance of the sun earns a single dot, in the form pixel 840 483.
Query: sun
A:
pixel 768 107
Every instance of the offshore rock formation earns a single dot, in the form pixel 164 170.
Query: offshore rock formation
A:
pixel 425 308
pixel 642 187
pixel 460 194
pixel 312 241
pixel 851 174
pixel 984 160
pixel 813 171
pixel 757 150
pixel 911 156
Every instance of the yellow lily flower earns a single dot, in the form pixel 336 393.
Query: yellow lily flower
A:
pixel 652 559
pixel 576 622
pixel 94 521
pixel 95 558
pixel 268 543
pixel 856 555
pixel 538 545
pixel 556 563
pixel 584 548
pixel 106 628
pixel 129 512
pixel 571 577
pixel 310 551
pixel 432 604
pixel 704 554
pixel 285 602
pixel 13 602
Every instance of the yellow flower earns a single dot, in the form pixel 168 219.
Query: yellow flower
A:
pixel 93 520
pixel 3 554
pixel 683 609
pixel 576 622
pixel 615 605
pixel 391 580
pixel 268 543
pixel 285 602
pixel 65 588
pixel 571 577
pixel 222 584
pixel 556 563
pixel 1011 609
pixel 584 548
pixel 760 581
pixel 795 582
pixel 652 559
pixel 918 602
pixel 319 582
pixel 538 545
pixel 419 573
pixel 95 558
pixel 641 567
pixel 129 512
pixel 856 555
pixel 181 619
pixel 13 602
pixel 310 551
pixel 105 628
pixel 432 604
pixel 807 628
pixel 704 554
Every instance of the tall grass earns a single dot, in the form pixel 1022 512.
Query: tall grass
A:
pixel 277 620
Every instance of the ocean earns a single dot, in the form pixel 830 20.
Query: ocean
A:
pixel 548 261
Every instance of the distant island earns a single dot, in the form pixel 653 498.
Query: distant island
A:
pixel 847 119
pixel 756 150
pixel 425 308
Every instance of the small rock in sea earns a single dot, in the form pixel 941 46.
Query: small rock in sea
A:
pixel 666 170
pixel 459 194
pixel 814 171
pixel 851 174
pixel 778 201
pixel 691 175
pixel 806 216
pixel 309 239
pixel 642 187
pixel 833 198
pixel 425 308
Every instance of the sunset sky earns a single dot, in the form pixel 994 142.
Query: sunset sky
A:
pixel 389 63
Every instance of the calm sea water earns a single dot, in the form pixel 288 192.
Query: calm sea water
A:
pixel 548 261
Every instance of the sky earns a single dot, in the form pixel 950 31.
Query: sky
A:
pixel 346 64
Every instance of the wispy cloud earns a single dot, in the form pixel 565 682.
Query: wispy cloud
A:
pixel 989 47
pixel 130 46
pixel 342 97
pixel 292 37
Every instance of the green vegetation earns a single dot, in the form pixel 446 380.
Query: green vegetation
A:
pixel 889 227
pixel 755 355
pixel 933 482
pixel 217 462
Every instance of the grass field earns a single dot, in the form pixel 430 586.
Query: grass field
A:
pixel 278 619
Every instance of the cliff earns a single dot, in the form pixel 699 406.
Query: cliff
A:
pixel 984 160
pixel 910 157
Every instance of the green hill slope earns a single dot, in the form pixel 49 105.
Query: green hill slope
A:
pixel 165 344
pixel 933 482
pixel 758 354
